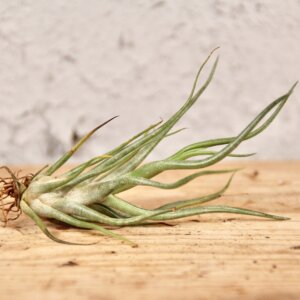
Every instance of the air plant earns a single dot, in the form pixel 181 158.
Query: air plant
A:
pixel 87 195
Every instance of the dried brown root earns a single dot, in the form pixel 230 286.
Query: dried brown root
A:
pixel 10 194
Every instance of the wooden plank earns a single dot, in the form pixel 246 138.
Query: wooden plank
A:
pixel 207 257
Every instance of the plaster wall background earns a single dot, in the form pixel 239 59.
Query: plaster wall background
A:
pixel 66 66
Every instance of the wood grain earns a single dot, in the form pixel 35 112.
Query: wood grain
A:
pixel 208 257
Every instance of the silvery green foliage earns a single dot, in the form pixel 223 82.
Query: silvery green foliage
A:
pixel 87 195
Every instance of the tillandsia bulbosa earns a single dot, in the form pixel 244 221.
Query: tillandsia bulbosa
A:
pixel 87 195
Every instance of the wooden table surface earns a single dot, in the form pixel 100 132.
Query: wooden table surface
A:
pixel 216 256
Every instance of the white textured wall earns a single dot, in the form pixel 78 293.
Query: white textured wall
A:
pixel 69 65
